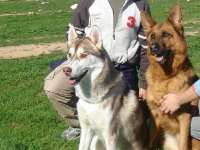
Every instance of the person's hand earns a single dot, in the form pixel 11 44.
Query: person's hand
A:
pixel 170 103
pixel 142 94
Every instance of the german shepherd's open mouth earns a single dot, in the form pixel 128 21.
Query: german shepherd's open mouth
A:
pixel 161 55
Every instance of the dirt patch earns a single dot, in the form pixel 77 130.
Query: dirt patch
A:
pixel 39 12
pixel 192 33
pixel 193 21
pixel 16 14
pixel 11 52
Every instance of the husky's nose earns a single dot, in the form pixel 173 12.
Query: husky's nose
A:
pixel 67 71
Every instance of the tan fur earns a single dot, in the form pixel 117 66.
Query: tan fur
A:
pixel 173 75
pixel 195 144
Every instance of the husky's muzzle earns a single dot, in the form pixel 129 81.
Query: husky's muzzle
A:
pixel 73 79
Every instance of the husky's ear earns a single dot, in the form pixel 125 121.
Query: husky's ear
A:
pixel 72 35
pixel 147 22
pixel 176 18
pixel 95 36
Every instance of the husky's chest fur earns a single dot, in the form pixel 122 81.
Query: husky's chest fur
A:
pixel 109 118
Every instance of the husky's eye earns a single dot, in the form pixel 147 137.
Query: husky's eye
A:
pixel 166 34
pixel 69 55
pixel 83 55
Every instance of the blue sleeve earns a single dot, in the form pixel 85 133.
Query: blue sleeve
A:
pixel 197 87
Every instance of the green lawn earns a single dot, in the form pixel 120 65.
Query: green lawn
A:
pixel 27 120
pixel 47 24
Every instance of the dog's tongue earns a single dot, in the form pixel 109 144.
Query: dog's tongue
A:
pixel 159 59
pixel 72 82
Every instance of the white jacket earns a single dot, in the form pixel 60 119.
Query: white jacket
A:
pixel 124 42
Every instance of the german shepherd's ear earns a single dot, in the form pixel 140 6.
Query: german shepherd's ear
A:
pixel 72 35
pixel 95 36
pixel 176 18
pixel 147 22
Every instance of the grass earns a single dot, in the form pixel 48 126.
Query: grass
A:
pixel 23 6
pixel 27 120
pixel 47 23
pixel 33 29
pixel 160 8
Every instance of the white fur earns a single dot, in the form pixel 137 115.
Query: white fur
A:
pixel 106 123
pixel 94 67
pixel 171 142
pixel 96 113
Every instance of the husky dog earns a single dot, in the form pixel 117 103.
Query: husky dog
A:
pixel 109 114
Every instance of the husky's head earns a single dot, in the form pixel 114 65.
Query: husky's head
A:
pixel 84 56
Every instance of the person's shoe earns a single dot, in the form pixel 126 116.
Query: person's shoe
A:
pixel 71 133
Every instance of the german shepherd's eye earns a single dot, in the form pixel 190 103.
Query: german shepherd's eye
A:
pixel 83 55
pixel 153 36
pixel 166 34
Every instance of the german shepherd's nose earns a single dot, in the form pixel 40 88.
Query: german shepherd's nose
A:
pixel 155 49
pixel 67 71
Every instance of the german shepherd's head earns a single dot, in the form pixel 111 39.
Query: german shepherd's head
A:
pixel 166 42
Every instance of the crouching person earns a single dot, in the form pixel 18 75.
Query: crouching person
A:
pixel 124 41
pixel 62 96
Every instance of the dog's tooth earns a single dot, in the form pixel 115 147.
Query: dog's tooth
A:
pixel 159 59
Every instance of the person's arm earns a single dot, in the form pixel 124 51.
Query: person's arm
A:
pixel 172 102
pixel 143 64
pixel 80 18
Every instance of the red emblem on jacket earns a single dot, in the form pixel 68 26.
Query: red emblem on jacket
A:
pixel 131 22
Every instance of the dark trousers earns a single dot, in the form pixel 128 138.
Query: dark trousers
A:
pixel 130 75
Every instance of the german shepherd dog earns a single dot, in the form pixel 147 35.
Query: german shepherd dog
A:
pixel 169 71
pixel 110 116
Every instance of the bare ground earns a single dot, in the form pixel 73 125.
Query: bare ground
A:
pixel 39 12
pixel 20 51
pixel 11 52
